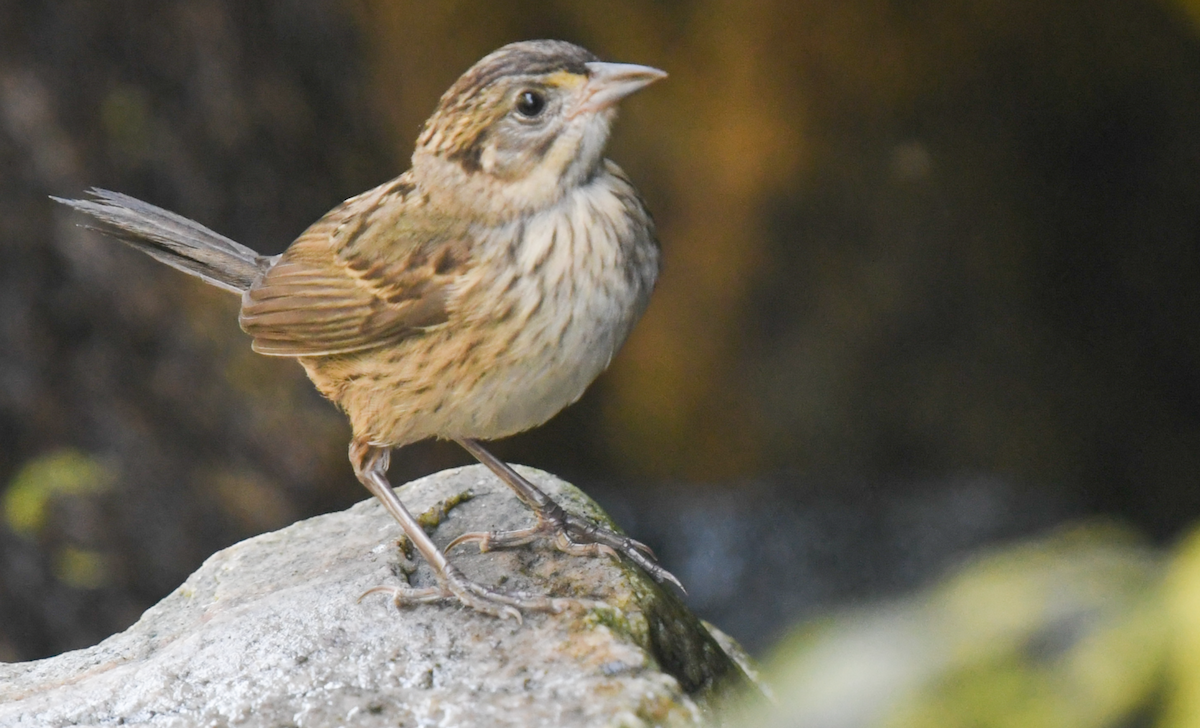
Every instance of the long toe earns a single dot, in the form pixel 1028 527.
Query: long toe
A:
pixel 456 587
pixel 505 605
pixel 582 531
pixel 403 596
pixel 490 540
pixel 564 543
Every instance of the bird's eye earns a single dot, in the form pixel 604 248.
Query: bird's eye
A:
pixel 530 103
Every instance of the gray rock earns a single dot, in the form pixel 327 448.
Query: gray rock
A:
pixel 270 632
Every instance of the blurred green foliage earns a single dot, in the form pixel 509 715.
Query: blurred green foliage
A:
pixel 61 478
pixel 59 474
pixel 1078 629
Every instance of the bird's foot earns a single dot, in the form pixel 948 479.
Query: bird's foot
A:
pixel 572 535
pixel 453 585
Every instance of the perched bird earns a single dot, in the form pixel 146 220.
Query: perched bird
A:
pixel 470 298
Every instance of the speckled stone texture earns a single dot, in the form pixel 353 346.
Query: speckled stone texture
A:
pixel 269 632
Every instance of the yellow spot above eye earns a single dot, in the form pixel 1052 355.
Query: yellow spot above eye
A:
pixel 63 472
pixel 565 79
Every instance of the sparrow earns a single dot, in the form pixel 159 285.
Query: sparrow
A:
pixel 471 298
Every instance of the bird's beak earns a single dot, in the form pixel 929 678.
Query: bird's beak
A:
pixel 608 83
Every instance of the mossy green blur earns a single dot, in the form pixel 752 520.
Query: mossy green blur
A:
pixel 64 472
pixel 1071 630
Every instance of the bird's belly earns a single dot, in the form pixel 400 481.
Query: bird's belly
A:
pixel 542 374
pixel 491 384
pixel 486 379
pixel 532 329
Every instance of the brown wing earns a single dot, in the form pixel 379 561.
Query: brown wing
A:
pixel 371 272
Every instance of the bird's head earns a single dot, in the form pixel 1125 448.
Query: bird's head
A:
pixel 522 127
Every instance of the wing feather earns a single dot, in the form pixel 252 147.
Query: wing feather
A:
pixel 372 272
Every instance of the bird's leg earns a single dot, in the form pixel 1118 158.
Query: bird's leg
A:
pixel 569 532
pixel 370 465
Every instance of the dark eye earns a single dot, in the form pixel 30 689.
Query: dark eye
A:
pixel 530 103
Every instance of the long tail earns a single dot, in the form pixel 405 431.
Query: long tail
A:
pixel 175 240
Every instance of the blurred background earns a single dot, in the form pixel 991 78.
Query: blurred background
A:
pixel 931 288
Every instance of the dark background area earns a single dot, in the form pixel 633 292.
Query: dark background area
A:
pixel 931 284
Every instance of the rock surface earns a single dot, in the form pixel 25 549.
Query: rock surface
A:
pixel 269 632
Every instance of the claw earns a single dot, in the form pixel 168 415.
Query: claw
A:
pixel 655 571
pixel 644 548
pixel 504 612
pixel 481 536
pixel 402 596
pixel 489 540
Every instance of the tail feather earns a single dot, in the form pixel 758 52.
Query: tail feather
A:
pixel 175 240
